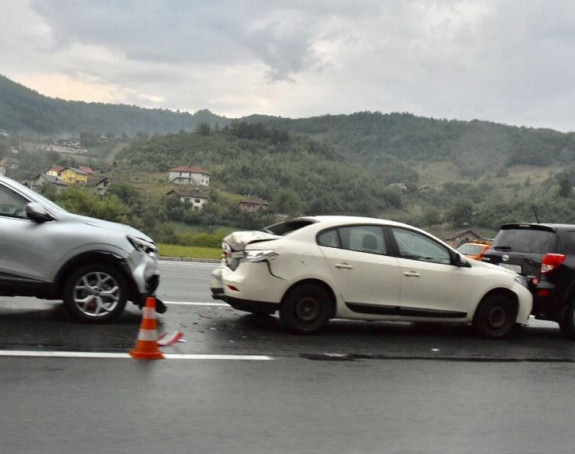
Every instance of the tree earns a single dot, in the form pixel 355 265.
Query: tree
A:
pixel 203 129
pixel 461 213
pixel 565 185
pixel 288 202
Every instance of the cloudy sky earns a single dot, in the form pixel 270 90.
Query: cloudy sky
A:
pixel 508 61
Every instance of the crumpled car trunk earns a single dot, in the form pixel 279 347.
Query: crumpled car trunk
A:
pixel 237 242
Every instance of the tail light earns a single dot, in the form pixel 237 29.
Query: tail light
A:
pixel 551 262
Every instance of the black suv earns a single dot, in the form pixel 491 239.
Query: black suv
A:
pixel 545 254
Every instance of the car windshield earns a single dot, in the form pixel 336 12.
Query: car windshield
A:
pixel 523 240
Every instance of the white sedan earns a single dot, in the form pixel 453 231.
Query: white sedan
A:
pixel 316 268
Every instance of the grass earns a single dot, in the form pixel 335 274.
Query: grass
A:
pixel 171 250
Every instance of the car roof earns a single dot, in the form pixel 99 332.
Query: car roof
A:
pixel 535 226
pixel 343 219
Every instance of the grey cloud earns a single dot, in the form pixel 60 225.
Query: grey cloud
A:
pixel 279 34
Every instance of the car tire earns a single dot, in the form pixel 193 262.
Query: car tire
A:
pixel 96 293
pixel 306 309
pixel 567 323
pixel 495 317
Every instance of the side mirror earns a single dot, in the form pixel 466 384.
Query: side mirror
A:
pixel 38 213
pixel 461 261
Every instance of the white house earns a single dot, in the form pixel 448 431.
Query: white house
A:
pixel 189 175
pixel 196 197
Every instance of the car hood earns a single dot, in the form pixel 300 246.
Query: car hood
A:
pixel 493 267
pixel 238 240
pixel 108 225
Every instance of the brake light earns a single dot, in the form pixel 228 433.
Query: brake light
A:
pixel 551 262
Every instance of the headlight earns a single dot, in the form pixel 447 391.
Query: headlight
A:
pixel 143 246
pixel 521 280
pixel 259 256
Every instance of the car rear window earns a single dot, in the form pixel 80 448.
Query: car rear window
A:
pixel 523 240
pixel 470 248
pixel 283 228
pixel 567 244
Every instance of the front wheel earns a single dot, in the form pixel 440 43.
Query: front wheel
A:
pixel 96 293
pixel 567 324
pixel 306 309
pixel 495 317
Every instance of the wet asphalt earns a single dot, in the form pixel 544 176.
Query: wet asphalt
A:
pixel 359 387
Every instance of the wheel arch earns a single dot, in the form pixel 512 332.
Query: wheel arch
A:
pixel 319 283
pixel 92 257
pixel 512 296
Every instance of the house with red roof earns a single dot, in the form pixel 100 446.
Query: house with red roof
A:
pixel 254 203
pixel 55 170
pixel 88 170
pixel 189 175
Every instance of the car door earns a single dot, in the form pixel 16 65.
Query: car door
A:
pixel 366 277
pixel 430 285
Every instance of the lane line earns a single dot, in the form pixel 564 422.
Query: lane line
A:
pixel 193 303
pixel 102 355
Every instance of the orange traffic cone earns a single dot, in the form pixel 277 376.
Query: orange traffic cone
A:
pixel 147 345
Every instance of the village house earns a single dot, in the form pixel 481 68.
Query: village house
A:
pixel 102 186
pixel 11 162
pixel 189 175
pixel 74 176
pixel 45 179
pixel 55 170
pixel 253 204
pixel 196 197
pixel 88 171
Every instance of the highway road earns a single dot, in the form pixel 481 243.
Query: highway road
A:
pixel 242 384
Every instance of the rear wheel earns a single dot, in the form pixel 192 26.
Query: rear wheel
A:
pixel 567 324
pixel 495 317
pixel 96 293
pixel 306 309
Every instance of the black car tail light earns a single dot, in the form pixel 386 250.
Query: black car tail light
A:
pixel 551 262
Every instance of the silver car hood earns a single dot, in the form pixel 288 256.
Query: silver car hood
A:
pixel 107 225
pixel 238 240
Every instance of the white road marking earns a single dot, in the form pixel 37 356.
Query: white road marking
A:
pixel 193 303
pixel 102 355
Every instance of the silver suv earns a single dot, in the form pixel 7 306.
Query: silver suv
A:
pixel 94 266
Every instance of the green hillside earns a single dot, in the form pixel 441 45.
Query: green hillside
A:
pixel 26 112
pixel 441 175
pixel 475 147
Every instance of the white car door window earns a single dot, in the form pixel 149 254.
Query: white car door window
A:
pixel 415 246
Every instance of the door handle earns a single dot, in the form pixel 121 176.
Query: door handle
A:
pixel 344 266
pixel 411 274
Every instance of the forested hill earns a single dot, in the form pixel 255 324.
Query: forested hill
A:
pixel 476 147
pixel 24 112
pixel 382 142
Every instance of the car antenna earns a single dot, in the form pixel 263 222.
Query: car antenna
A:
pixel 534 208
